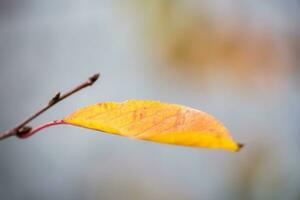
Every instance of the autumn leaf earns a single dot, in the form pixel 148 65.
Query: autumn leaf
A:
pixel 155 121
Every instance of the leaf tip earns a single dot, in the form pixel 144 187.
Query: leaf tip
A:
pixel 240 146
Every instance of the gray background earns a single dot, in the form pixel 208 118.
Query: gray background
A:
pixel 50 46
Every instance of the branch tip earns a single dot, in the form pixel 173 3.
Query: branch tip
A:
pixel 94 78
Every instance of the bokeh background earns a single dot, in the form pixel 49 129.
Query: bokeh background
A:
pixel 238 60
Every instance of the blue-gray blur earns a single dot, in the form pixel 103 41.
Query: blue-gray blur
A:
pixel 237 60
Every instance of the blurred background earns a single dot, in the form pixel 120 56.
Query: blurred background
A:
pixel 238 60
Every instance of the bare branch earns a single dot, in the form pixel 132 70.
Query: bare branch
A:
pixel 22 129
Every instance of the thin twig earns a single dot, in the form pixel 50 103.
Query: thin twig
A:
pixel 22 129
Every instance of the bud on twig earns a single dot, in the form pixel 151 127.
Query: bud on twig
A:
pixel 22 129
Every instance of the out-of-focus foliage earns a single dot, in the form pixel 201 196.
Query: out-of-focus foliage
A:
pixel 253 177
pixel 194 37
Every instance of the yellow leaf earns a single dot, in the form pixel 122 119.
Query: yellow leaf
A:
pixel 155 121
